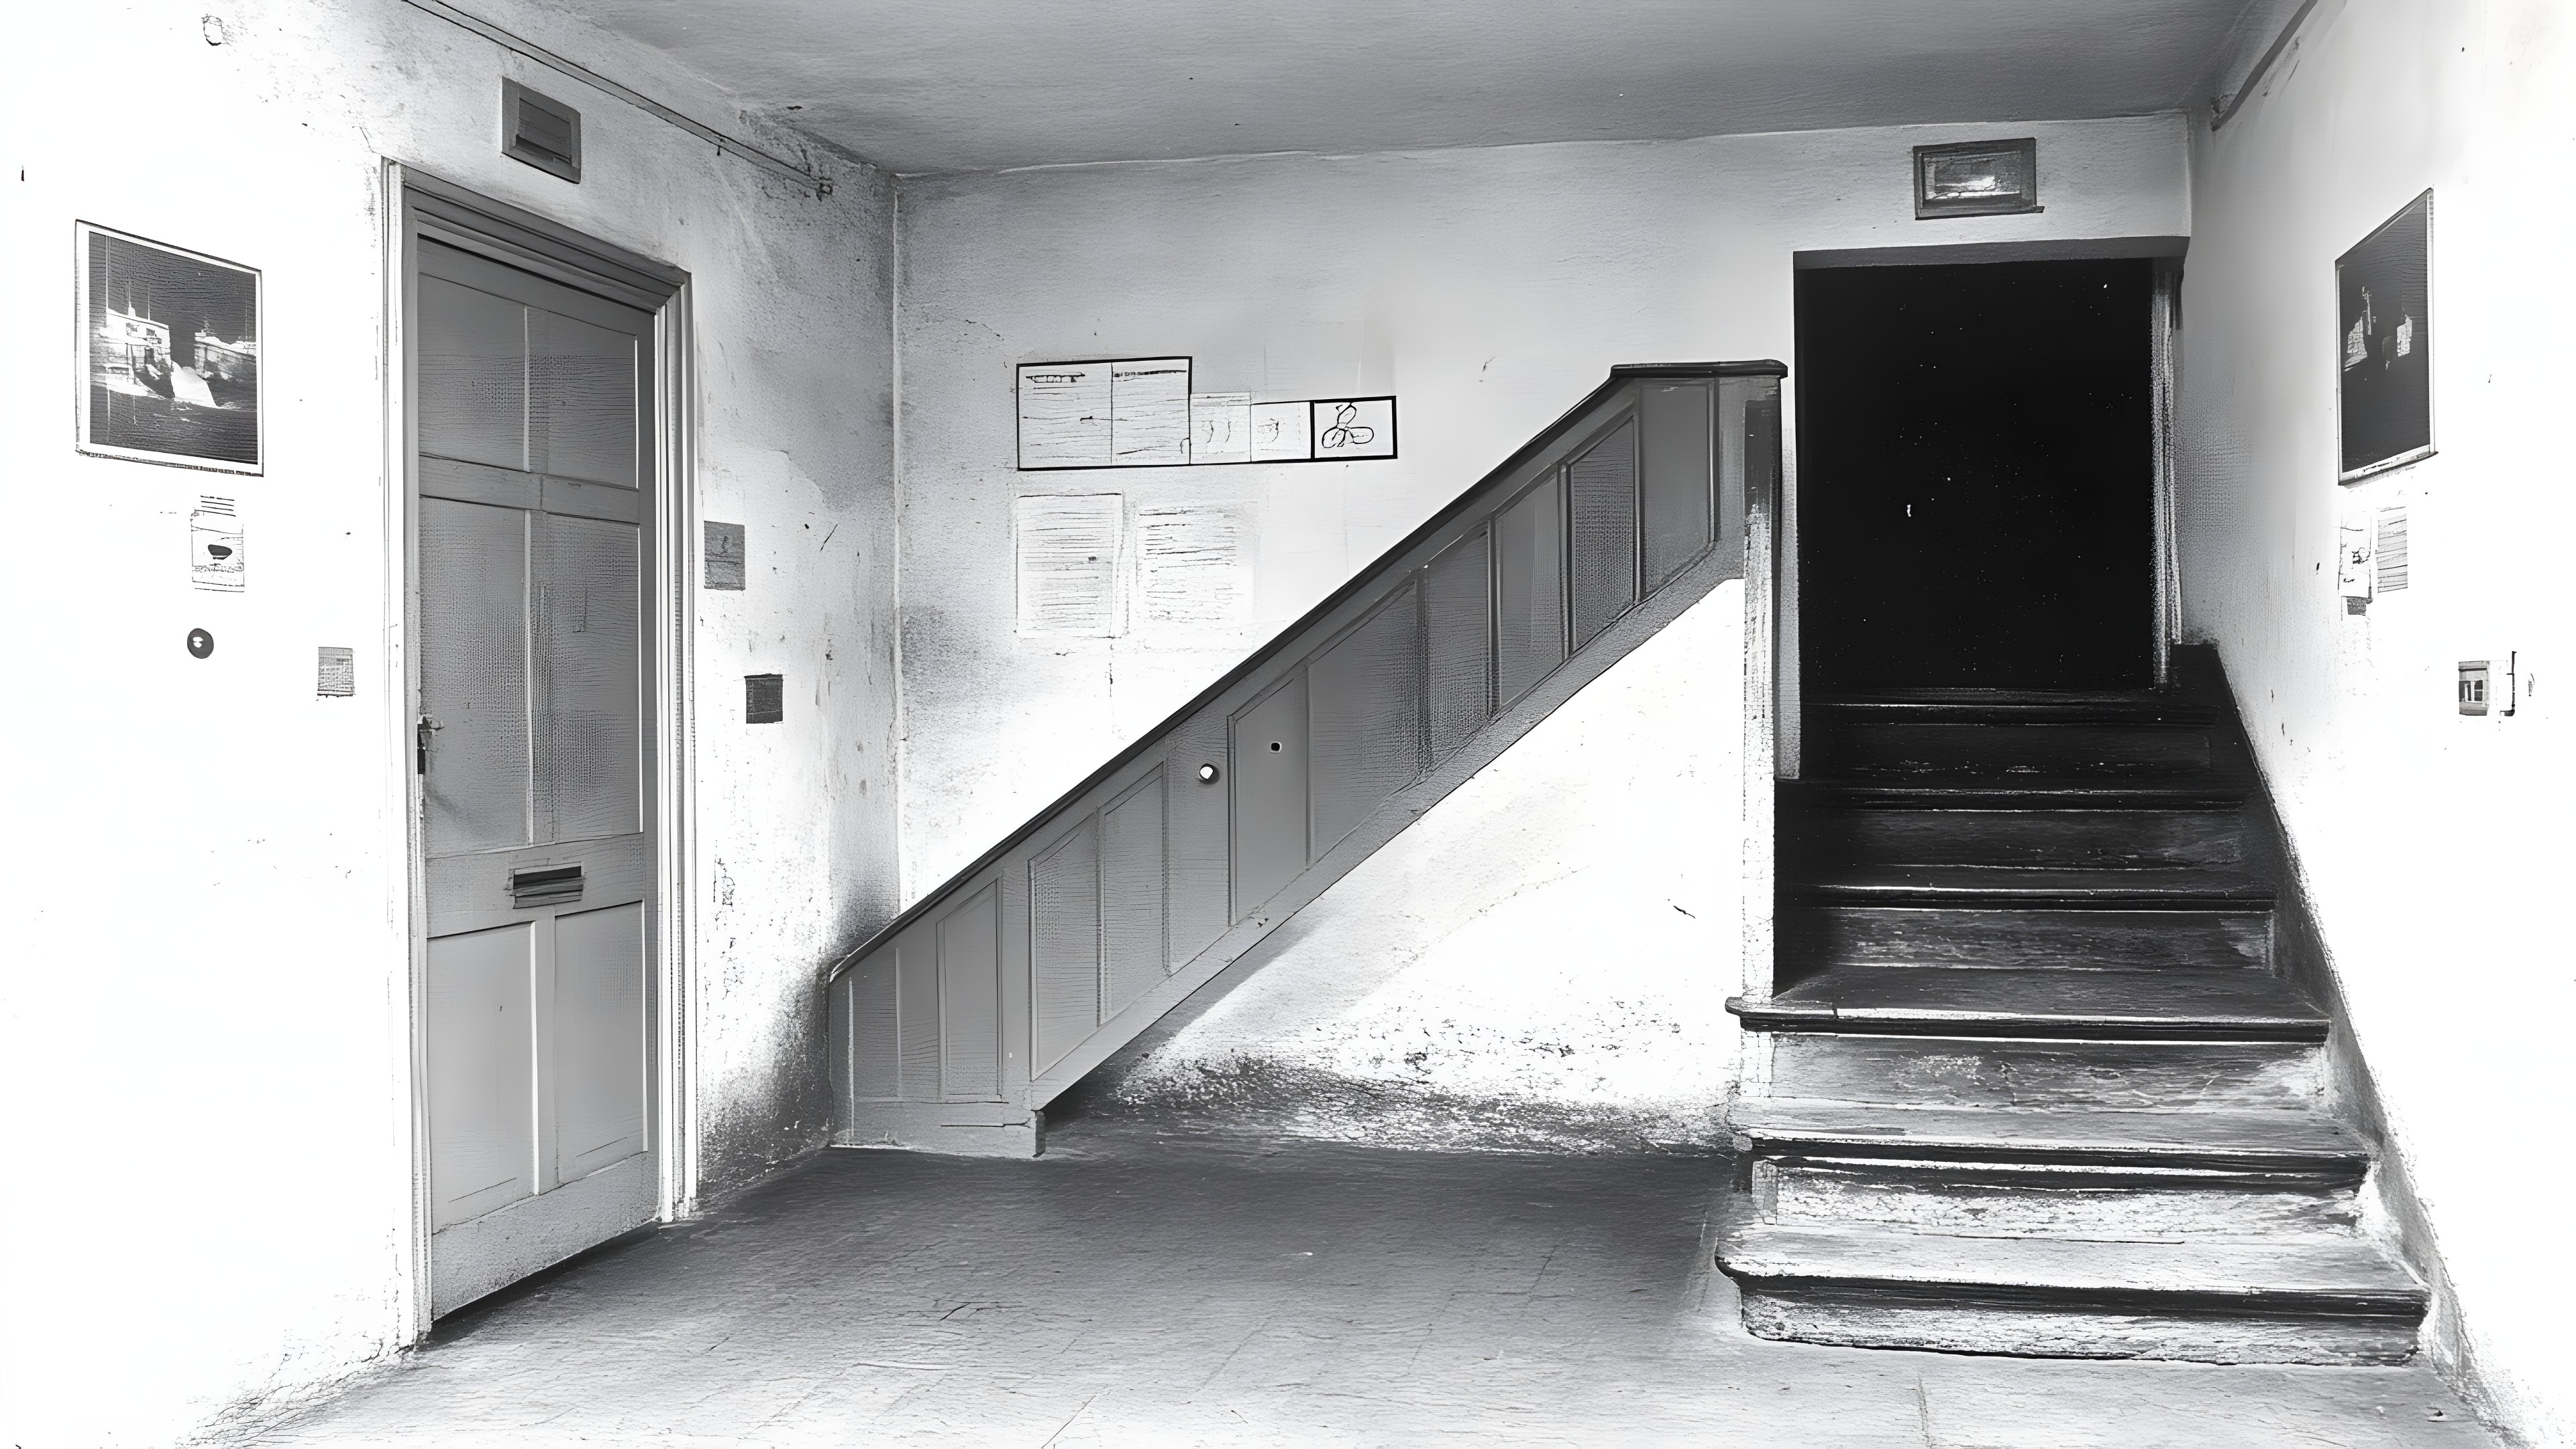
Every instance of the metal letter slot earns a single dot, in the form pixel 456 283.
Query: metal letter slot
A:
pixel 551 885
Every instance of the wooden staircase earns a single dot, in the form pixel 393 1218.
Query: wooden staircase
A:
pixel 2034 1087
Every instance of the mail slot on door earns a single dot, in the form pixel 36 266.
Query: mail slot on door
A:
pixel 551 885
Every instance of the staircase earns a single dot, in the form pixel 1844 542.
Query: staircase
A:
pixel 956 1025
pixel 2034 1086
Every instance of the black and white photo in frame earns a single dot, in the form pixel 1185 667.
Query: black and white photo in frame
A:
pixel 168 354
pixel 2384 387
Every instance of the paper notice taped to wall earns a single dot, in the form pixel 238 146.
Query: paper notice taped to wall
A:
pixel 1149 412
pixel 215 556
pixel 1068 563
pixel 1221 427
pixel 1190 583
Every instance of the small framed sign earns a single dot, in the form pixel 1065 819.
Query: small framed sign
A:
pixel 2384 345
pixel 1976 178
pixel 167 354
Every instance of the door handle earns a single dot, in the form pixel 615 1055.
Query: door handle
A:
pixel 420 743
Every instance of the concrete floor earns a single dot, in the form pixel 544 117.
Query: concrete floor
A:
pixel 1127 1290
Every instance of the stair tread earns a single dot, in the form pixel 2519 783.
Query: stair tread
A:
pixel 2254 1134
pixel 2045 994
pixel 2101 884
pixel 2349 1272
pixel 2014 791
pixel 1965 706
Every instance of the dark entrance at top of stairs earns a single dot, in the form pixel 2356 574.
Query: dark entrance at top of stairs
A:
pixel 2033 1084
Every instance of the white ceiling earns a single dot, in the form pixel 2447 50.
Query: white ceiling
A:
pixel 971 85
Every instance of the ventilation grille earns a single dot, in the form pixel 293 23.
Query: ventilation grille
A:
pixel 541 131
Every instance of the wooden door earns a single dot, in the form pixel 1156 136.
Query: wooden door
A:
pixel 533 522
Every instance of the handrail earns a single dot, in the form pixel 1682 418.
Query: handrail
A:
pixel 1359 582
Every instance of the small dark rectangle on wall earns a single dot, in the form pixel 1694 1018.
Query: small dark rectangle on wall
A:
pixel 541 131
pixel 1976 178
pixel 764 698
pixel 725 548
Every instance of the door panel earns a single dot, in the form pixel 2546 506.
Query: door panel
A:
pixel 1268 760
pixel 590 756
pixel 480 1156
pixel 532 534
pixel 473 375
pixel 1529 589
pixel 599 1039
pixel 581 400
pixel 474 675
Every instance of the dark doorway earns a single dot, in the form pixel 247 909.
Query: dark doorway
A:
pixel 1975 476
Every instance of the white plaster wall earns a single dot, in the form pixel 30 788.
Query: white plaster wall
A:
pixel 205 1160
pixel 1489 289
pixel 2433 845
pixel 1542 959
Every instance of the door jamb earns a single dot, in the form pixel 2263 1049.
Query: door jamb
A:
pixel 537 244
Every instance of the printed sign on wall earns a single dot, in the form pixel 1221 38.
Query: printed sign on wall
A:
pixel 1139 412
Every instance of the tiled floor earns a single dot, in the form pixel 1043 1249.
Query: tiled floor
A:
pixel 1124 1291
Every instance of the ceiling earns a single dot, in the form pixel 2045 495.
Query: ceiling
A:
pixel 973 85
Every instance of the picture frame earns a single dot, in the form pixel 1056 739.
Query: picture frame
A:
pixel 1977 178
pixel 166 354
pixel 2384 346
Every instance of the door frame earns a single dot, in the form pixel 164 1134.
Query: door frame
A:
pixel 2165 322
pixel 417 204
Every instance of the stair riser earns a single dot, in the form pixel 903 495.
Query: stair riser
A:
pixel 1895 750
pixel 2117 1207
pixel 1820 936
pixel 2037 838
pixel 1870 1321
pixel 1969 1072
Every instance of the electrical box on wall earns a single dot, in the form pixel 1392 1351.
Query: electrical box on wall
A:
pixel 2476 680
pixel 2489 686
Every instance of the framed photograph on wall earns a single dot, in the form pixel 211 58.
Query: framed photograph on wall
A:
pixel 2384 345
pixel 167 354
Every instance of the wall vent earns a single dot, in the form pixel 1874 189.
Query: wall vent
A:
pixel 541 131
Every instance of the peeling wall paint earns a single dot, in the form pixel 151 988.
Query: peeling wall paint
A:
pixel 1541 961
pixel 2429 841
pixel 205 1010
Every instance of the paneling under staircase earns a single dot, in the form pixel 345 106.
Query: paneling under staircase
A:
pixel 2034 1086
pixel 954 1026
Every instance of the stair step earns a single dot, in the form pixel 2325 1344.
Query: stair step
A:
pixel 1969 934
pixel 2303 1301
pixel 1872 748
pixel 1890 833
pixel 1950 1071
pixel 2013 886
pixel 2103 1204
pixel 2018 791
pixel 2092 1005
pixel 2007 706
pixel 2275 1141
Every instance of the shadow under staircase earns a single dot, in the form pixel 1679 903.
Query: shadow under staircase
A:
pixel 954 1026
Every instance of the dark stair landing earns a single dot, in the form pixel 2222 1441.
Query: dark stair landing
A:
pixel 2034 1087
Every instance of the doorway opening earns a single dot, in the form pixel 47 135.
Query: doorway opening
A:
pixel 1978 455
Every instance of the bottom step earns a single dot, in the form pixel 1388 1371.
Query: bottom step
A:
pixel 2336 1302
